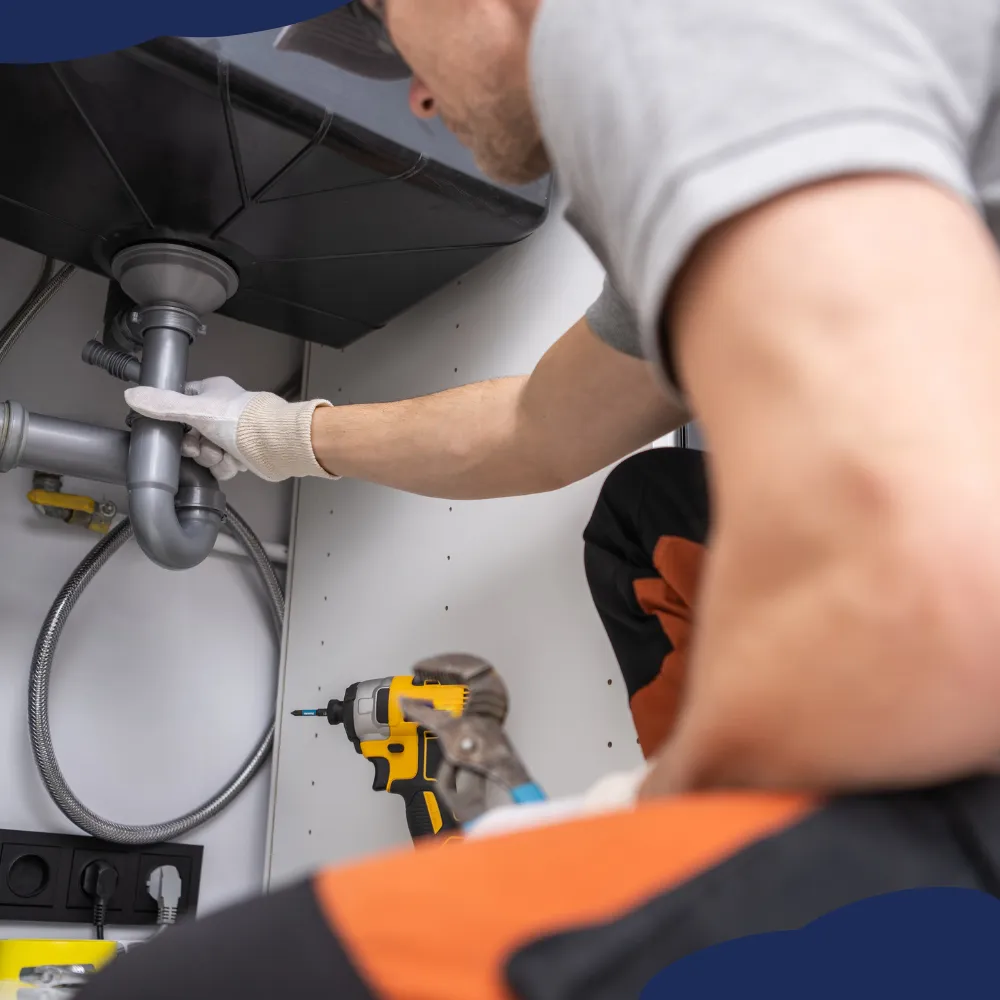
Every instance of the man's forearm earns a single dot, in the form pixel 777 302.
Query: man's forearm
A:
pixel 583 407
pixel 461 443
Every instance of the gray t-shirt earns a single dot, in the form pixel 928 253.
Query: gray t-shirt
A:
pixel 615 321
pixel 665 117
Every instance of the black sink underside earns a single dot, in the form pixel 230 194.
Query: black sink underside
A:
pixel 334 229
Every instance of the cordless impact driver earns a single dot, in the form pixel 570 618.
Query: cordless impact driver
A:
pixel 406 756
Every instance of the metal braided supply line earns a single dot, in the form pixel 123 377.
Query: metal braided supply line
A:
pixel 47 286
pixel 38 698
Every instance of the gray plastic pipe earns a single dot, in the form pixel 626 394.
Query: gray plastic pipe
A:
pixel 174 540
pixel 61 447
pixel 67 448
pixel 176 508
pixel 175 534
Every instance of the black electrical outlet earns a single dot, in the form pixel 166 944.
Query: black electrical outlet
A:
pixel 125 864
pixel 29 874
pixel 41 878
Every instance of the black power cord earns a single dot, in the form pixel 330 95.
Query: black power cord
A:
pixel 99 881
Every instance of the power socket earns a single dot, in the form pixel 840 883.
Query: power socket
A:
pixel 30 875
pixel 148 863
pixel 127 865
pixel 41 878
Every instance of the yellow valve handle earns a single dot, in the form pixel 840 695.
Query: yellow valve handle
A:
pixel 62 501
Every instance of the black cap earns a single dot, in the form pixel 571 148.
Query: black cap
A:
pixel 335 712
pixel 350 37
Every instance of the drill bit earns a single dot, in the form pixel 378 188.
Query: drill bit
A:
pixel 333 713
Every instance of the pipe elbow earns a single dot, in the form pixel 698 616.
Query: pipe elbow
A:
pixel 173 537
pixel 176 506
pixel 13 432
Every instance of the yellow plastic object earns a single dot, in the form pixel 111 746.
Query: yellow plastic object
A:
pixel 434 811
pixel 63 501
pixel 17 955
pixel 81 510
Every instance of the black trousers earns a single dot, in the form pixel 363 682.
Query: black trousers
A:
pixel 644 549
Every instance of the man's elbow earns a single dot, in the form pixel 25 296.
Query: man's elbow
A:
pixel 958 561
pixel 840 654
pixel 931 613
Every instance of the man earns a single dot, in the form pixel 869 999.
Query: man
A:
pixel 795 207
pixel 793 211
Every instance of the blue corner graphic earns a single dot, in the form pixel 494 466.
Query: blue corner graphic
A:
pixel 924 943
pixel 34 31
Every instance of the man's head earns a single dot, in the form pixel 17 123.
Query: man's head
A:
pixel 470 64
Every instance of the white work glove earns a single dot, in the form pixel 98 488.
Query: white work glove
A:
pixel 610 794
pixel 232 430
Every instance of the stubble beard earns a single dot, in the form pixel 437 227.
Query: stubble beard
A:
pixel 504 140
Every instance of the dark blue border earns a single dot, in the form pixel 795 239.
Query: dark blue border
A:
pixel 934 943
pixel 35 31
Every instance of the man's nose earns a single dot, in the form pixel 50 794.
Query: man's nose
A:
pixel 422 102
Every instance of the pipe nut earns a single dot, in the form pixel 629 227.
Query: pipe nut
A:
pixel 4 424
pixel 201 498
pixel 13 433
pixel 169 317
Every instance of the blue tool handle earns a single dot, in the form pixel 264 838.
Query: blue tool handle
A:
pixel 526 793
pixel 522 795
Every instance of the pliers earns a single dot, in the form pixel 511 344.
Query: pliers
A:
pixel 474 747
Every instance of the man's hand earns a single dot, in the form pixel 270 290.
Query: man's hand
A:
pixel 232 430
pixel 840 347
pixel 211 409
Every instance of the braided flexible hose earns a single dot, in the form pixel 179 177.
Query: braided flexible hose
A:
pixel 33 305
pixel 38 698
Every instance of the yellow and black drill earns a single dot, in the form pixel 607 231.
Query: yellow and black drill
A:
pixel 406 756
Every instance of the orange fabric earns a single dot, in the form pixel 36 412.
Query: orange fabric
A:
pixel 439 923
pixel 670 597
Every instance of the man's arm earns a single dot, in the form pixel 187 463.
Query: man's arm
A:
pixel 841 349
pixel 584 406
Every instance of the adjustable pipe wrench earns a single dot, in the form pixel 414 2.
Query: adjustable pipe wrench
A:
pixel 474 747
